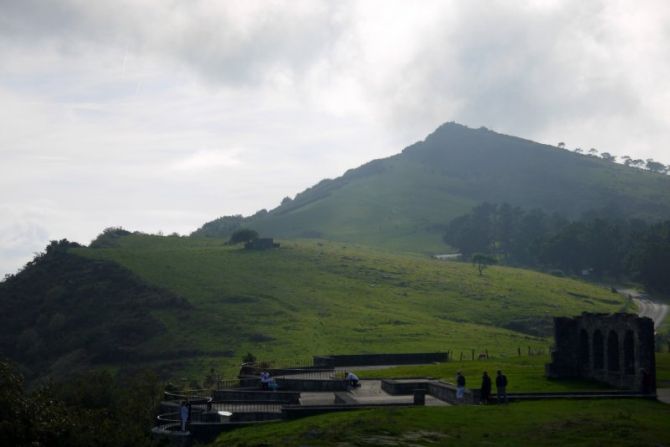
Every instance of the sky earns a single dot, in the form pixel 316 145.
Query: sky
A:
pixel 161 115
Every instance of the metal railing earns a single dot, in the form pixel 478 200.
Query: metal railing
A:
pixel 193 396
pixel 205 414
pixel 226 384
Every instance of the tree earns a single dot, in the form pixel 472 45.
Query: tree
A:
pixel 109 237
pixel 578 150
pixel 481 261
pixel 608 157
pixel 593 151
pixel 473 232
pixel 561 145
pixel 243 235
pixel 655 166
pixel 652 257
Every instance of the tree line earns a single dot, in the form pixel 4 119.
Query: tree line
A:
pixel 597 245
pixel 92 409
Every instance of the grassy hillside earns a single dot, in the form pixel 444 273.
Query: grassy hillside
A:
pixel 555 423
pixel 403 202
pixel 315 297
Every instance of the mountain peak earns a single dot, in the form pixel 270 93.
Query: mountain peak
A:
pixel 404 201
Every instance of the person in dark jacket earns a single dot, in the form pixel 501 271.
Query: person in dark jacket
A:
pixel 501 386
pixel 485 390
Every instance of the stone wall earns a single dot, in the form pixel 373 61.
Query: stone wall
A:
pixel 287 384
pixel 333 361
pixel 617 349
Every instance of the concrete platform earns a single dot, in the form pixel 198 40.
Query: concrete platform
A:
pixel 370 392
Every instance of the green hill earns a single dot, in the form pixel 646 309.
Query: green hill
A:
pixel 403 202
pixel 204 304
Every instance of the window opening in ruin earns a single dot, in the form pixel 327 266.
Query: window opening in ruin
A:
pixel 584 349
pixel 598 351
pixel 613 352
pixel 629 353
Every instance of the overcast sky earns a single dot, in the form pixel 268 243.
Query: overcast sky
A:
pixel 160 115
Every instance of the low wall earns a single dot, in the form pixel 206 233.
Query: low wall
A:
pixel 333 361
pixel 300 411
pixel 311 384
pixel 285 397
pixel 447 392
pixel 404 387
pixel 253 370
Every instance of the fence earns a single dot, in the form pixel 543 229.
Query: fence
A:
pixel 226 384
pixel 193 396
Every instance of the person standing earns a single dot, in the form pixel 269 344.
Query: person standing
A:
pixel 501 386
pixel 485 390
pixel 460 387
pixel 183 415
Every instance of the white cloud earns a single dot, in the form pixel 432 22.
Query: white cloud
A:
pixel 205 160
pixel 160 115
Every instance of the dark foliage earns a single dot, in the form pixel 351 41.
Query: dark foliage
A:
pixel 221 227
pixel 243 235
pixel 600 245
pixel 109 237
pixel 78 311
pixel 94 409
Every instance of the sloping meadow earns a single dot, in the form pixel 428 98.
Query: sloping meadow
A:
pixel 316 297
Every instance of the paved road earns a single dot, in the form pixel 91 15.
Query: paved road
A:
pixel 655 311
pixel 648 308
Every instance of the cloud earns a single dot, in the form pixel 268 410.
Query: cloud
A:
pixel 206 159
pixel 239 43
pixel 159 115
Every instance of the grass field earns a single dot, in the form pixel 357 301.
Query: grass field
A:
pixel 542 423
pixel 525 374
pixel 316 297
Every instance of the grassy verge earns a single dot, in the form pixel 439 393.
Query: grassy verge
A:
pixel 663 369
pixel 556 423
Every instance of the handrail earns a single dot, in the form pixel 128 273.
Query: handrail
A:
pixel 198 414
pixel 193 398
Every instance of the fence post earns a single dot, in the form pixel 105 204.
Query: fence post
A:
pixel 519 351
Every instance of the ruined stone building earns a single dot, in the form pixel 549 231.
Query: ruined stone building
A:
pixel 617 349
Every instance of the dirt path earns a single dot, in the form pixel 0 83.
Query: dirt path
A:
pixel 648 308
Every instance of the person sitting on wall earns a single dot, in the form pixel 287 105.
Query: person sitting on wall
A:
pixel 272 384
pixel 352 379
pixel 265 380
